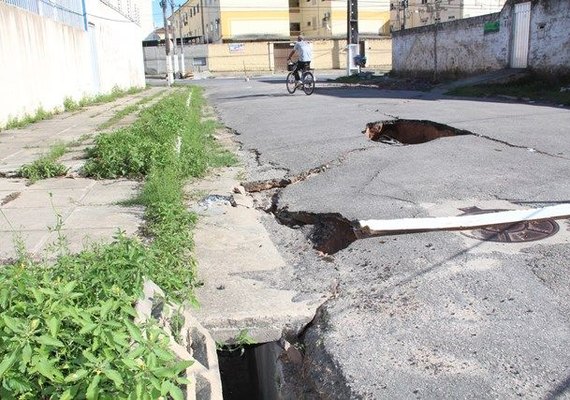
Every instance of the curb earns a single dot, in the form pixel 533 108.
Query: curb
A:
pixel 196 343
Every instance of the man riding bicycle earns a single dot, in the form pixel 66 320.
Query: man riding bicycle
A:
pixel 303 50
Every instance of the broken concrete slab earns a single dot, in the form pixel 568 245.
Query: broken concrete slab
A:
pixel 231 244
pixel 192 342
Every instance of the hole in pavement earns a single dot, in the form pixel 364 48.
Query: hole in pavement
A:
pixel 330 234
pixel 272 370
pixel 407 131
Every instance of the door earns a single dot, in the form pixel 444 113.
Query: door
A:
pixel 521 36
pixel 280 53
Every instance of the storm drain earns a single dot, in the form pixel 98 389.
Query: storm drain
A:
pixel 253 372
pixel 405 131
pixel 523 231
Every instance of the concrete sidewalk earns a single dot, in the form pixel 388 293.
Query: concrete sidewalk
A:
pixel 84 211
pixel 89 209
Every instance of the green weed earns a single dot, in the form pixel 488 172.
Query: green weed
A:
pixel 66 330
pixel 40 115
pixel 46 166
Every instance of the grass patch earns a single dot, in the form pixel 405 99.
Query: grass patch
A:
pixel 69 105
pixel 531 87
pixel 46 166
pixel 40 115
pixel 66 330
pixel 119 115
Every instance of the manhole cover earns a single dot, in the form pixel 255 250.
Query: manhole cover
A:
pixel 524 231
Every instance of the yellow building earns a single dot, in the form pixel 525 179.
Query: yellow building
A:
pixel 328 18
pixel 216 21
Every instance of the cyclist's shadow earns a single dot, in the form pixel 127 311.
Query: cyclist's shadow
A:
pixel 248 96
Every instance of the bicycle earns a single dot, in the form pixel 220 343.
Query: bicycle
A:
pixel 307 82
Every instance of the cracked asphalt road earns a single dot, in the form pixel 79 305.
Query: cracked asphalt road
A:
pixel 430 315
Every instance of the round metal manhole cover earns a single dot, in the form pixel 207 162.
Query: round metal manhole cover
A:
pixel 524 231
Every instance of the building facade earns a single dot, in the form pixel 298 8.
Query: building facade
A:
pixel 217 21
pixel 406 14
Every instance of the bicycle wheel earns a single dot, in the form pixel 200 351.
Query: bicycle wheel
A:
pixel 291 87
pixel 308 83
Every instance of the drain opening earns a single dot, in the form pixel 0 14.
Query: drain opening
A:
pixel 251 372
pixel 238 371
pixel 407 131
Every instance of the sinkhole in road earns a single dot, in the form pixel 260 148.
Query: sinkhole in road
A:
pixel 330 233
pixel 408 131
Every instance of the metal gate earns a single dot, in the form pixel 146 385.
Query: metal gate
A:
pixel 521 36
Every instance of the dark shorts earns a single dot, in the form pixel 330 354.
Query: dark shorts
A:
pixel 301 66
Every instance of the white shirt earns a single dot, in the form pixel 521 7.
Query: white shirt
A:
pixel 304 51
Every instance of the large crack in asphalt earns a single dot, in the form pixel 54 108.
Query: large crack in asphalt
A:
pixel 410 132
pixel 332 232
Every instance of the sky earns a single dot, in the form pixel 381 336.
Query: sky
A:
pixel 157 13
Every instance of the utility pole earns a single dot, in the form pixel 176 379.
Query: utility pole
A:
pixel 352 33
pixel 437 18
pixel 174 58
pixel 182 66
pixel 352 22
pixel 169 75
pixel 202 16
pixel 404 7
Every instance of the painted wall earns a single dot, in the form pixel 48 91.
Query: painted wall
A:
pixel 252 56
pixel 457 47
pixel 33 72
pixel 549 49
pixel 49 61
pixel 462 47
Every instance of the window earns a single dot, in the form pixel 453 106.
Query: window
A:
pixel 424 1
pixel 451 17
pixel 199 61
pixel 295 27
pixel 308 23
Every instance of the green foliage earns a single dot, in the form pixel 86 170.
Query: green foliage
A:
pixel 69 104
pixel 118 116
pixel 46 166
pixel 66 331
pixel 151 143
pixel 40 115
pixel 242 339
pixel 42 169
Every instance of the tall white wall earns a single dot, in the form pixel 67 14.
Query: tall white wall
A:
pixel 42 61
